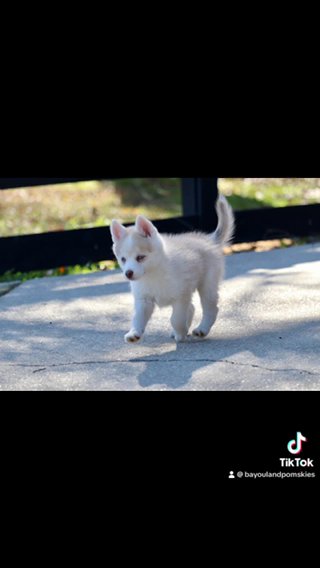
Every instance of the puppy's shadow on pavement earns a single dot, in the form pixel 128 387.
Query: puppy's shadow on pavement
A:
pixel 263 350
pixel 173 369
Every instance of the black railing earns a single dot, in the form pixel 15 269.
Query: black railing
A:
pixel 67 248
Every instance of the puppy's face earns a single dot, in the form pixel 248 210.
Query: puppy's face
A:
pixel 136 247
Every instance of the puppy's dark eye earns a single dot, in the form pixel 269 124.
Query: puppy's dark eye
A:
pixel 140 258
pixel 123 260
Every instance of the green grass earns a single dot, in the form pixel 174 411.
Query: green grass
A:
pixel 63 271
pixel 35 210
pixel 95 204
pixel 270 192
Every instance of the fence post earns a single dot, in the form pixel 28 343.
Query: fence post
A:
pixel 199 196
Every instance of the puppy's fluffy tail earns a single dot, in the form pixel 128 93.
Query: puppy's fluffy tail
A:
pixel 226 223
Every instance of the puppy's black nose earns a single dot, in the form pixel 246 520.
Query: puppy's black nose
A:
pixel 129 274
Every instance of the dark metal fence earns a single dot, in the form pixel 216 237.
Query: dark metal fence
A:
pixel 67 248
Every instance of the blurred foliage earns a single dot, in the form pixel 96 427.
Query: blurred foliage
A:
pixel 149 191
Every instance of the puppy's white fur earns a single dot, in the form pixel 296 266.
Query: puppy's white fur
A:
pixel 168 269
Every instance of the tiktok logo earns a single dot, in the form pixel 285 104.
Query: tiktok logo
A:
pixel 295 446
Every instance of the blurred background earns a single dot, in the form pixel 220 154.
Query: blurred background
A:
pixel 34 210
pixel 95 203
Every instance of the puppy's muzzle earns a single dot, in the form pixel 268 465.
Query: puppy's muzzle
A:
pixel 129 274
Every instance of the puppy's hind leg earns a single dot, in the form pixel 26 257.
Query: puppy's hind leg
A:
pixel 209 301
pixel 190 315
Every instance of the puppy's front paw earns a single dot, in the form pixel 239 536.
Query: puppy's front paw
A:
pixel 132 337
pixel 179 337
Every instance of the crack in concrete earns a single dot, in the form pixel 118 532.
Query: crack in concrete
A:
pixel 236 363
pixel 38 369
pixel 277 369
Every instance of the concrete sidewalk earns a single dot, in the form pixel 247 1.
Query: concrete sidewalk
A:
pixel 67 333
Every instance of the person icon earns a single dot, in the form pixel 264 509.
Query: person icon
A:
pixel 231 475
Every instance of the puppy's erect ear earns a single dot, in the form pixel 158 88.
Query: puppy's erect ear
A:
pixel 118 231
pixel 145 227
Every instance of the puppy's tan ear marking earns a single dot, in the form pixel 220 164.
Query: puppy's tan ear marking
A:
pixel 118 231
pixel 145 227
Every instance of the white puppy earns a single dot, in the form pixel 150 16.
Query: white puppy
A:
pixel 168 269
